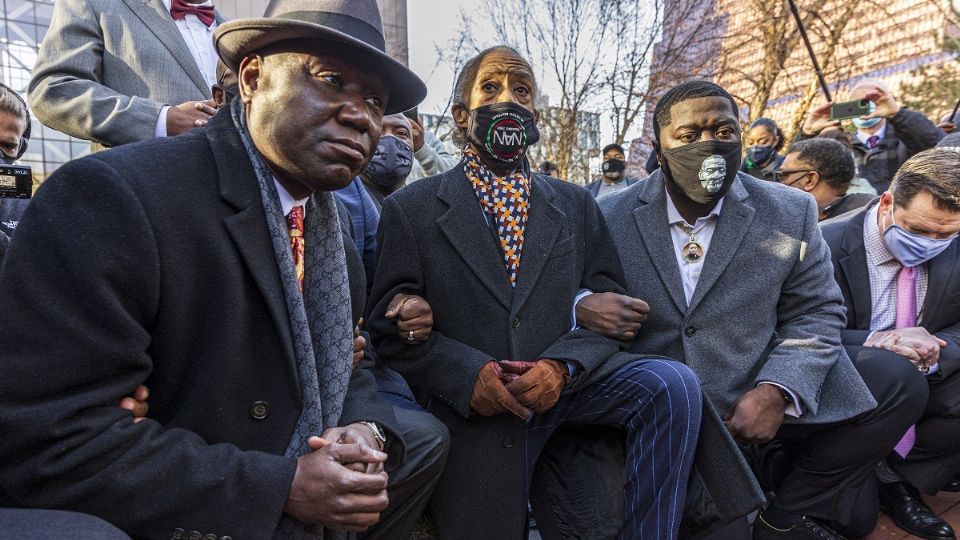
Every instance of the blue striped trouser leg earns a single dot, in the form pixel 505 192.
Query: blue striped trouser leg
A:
pixel 658 403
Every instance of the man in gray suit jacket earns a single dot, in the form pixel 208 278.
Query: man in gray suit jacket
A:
pixel 740 286
pixel 119 71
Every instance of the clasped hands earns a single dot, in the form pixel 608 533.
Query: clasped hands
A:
pixel 915 344
pixel 518 387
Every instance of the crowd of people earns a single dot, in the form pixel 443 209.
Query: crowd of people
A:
pixel 272 305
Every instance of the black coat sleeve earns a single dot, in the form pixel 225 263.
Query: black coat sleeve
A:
pixel 78 295
pixel 915 131
pixel 446 366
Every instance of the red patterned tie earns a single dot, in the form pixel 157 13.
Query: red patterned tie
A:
pixel 907 318
pixel 295 229
pixel 180 9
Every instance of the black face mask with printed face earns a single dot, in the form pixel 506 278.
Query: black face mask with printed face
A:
pixel 502 131
pixel 702 171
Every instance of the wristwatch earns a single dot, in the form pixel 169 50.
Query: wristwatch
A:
pixel 378 433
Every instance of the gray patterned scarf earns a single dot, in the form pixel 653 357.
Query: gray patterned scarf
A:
pixel 320 317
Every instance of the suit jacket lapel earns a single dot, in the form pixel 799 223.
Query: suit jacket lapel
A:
pixel 464 225
pixel 732 225
pixel 654 229
pixel 940 273
pixel 543 226
pixel 855 274
pixel 248 228
pixel 156 17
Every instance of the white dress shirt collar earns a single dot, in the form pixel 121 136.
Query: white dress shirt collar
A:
pixel 287 202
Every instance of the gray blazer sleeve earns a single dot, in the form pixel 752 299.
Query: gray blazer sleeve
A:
pixel 67 91
pixel 809 320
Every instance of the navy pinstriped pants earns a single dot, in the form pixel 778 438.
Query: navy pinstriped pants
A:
pixel 658 403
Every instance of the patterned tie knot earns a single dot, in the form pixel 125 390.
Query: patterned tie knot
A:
pixel 295 221
pixel 873 141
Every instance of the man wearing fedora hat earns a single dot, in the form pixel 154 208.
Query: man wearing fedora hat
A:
pixel 223 280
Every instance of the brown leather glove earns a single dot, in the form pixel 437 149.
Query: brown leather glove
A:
pixel 511 370
pixel 539 388
pixel 490 397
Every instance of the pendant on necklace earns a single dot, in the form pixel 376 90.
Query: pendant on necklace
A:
pixel 691 252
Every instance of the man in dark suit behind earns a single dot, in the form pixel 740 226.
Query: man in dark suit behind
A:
pixel 212 267
pixel 613 171
pixel 500 253
pixel 897 263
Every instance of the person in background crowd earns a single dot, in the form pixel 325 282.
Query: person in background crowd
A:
pixel 14 137
pixel 490 242
pixel 952 140
pixel 896 263
pixel 613 175
pixel 858 184
pixel 885 138
pixel 772 362
pixel 948 123
pixel 550 169
pixel 117 72
pixel 431 155
pixel 824 169
pixel 391 163
pixel 763 142
pixel 258 403
pixel 226 88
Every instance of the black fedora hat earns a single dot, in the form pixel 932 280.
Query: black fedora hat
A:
pixel 355 23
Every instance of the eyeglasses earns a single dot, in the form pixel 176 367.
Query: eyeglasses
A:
pixel 778 176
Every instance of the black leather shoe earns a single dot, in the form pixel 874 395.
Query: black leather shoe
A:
pixel 805 529
pixel 952 486
pixel 905 505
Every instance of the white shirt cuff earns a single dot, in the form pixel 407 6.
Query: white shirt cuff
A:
pixel 793 408
pixel 161 129
pixel 573 316
pixel 933 369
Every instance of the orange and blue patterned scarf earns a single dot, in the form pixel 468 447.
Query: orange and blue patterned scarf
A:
pixel 507 201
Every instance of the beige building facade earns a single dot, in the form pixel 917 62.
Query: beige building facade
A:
pixel 887 41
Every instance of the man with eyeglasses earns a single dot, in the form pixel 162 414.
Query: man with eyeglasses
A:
pixel 823 168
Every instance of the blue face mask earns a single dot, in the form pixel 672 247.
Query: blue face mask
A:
pixel 912 249
pixel 758 154
pixel 860 123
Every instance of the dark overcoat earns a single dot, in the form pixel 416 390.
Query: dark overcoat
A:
pixel 152 264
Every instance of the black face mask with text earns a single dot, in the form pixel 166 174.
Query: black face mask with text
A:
pixel 702 171
pixel 502 131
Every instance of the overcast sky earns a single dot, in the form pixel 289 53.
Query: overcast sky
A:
pixel 436 23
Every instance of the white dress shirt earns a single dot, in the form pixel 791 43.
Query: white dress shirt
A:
pixel 199 39
pixel 287 202
pixel 705 226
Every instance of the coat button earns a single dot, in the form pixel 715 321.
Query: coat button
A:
pixel 210 536
pixel 226 538
pixel 195 535
pixel 259 410
pixel 178 534
pixel 690 330
pixel 507 442
pixel 515 322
